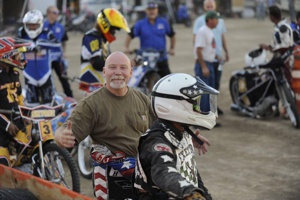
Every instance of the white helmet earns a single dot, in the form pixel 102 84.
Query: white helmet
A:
pixel 33 17
pixel 176 98
pixel 255 57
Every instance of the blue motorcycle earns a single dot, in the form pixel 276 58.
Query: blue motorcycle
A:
pixel 145 74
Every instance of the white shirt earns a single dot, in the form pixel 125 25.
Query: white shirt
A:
pixel 283 36
pixel 206 40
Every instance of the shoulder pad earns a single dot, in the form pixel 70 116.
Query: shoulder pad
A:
pixel 283 28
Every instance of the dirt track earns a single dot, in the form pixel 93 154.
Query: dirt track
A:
pixel 248 159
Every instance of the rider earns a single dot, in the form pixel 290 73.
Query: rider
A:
pixel 166 166
pixel 282 39
pixel 38 80
pixel 95 46
pixel 10 91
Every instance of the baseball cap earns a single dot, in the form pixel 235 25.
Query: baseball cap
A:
pixel 152 5
pixel 212 15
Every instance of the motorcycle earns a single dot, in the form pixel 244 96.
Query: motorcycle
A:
pixel 145 74
pixel 82 22
pixel 34 151
pixel 183 15
pixel 261 89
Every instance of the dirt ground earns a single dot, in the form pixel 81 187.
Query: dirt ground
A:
pixel 248 159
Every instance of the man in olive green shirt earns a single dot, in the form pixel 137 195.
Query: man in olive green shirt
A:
pixel 114 117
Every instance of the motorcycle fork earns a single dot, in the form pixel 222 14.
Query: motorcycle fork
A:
pixel 42 159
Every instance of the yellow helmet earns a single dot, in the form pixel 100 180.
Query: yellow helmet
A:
pixel 109 20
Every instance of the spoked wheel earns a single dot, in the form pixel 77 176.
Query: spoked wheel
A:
pixel 152 79
pixel 85 161
pixel 290 105
pixel 234 89
pixel 60 168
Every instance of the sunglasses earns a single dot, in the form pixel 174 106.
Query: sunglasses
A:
pixel 54 12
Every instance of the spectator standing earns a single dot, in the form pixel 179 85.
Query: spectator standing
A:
pixel 205 54
pixel 152 32
pixel 221 44
pixel 59 62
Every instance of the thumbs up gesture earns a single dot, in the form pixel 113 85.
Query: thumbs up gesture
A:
pixel 64 136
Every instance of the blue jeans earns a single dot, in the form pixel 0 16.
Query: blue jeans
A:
pixel 204 104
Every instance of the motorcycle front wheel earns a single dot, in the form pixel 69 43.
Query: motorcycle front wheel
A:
pixel 85 162
pixel 60 167
pixel 289 104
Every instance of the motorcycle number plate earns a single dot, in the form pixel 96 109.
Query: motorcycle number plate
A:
pixel 46 130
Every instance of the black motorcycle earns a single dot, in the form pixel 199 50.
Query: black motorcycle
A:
pixel 262 90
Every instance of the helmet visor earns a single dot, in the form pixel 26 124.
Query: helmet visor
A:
pixel 213 99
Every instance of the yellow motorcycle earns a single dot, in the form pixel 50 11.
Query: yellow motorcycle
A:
pixel 34 151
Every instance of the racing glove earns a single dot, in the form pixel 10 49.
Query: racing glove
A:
pixel 195 196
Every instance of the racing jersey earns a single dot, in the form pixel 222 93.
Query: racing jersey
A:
pixel 38 68
pixel 166 165
pixel 93 45
pixel 10 90
pixel 283 36
pixel 60 34
pixel 153 36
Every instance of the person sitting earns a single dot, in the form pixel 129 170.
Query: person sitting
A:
pixel 166 166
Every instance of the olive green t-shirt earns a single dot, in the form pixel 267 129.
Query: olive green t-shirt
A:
pixel 114 121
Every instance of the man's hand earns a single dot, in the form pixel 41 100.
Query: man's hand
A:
pixel 265 46
pixel 26 122
pixel 171 52
pixel 12 129
pixel 202 149
pixel 65 138
pixel 205 71
pixel 195 196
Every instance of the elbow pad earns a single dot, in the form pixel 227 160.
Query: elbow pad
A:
pixel 97 63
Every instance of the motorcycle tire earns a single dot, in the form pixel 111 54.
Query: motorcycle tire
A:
pixel 152 79
pixel 233 88
pixel 85 162
pixel 14 193
pixel 292 109
pixel 70 177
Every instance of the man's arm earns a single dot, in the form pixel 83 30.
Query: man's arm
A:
pixel 172 45
pixel 128 39
pixel 225 48
pixel 127 43
pixel 204 68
